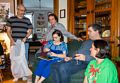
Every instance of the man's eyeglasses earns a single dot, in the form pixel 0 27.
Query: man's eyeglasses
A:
pixel 22 10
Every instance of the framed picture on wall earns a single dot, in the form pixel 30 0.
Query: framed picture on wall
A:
pixel 4 11
pixel 62 13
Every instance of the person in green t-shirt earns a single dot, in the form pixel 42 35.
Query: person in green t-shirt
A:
pixel 101 70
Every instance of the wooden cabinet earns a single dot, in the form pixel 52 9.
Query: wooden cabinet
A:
pixel 102 12
pixel 81 13
pixel 92 11
pixel 80 17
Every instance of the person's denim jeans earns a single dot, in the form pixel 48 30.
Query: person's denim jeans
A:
pixel 26 50
pixel 62 71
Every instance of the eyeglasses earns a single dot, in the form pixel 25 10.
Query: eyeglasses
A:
pixel 55 37
pixel 22 10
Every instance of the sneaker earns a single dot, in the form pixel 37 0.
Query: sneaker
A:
pixel 24 78
pixel 15 79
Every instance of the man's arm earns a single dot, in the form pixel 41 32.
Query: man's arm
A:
pixel 12 42
pixel 66 33
pixel 29 32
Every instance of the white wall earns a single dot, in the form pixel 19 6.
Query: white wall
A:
pixel 63 5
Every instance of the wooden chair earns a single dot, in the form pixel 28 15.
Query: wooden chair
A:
pixel 2 62
pixel 1 76
pixel 2 66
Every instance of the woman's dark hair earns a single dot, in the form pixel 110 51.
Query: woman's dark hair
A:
pixel 59 33
pixel 96 27
pixel 52 14
pixel 104 49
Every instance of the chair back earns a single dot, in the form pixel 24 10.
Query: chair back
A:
pixel 2 62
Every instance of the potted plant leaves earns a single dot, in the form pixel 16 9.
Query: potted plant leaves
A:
pixel 116 60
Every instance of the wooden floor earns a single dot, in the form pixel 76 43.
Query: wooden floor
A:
pixel 10 81
pixel 8 78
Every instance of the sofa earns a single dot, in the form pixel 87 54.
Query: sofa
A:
pixel 73 46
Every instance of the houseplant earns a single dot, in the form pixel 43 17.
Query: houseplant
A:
pixel 116 60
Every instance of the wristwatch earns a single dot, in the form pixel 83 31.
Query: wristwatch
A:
pixel 26 37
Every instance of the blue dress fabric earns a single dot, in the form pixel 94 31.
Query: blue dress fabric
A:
pixel 44 66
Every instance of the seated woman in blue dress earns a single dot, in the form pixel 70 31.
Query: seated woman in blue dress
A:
pixel 57 49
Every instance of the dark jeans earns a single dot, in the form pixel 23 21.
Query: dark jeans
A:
pixel 62 71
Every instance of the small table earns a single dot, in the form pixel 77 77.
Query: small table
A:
pixel 33 47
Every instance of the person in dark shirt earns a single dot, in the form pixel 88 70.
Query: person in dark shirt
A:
pixel 19 28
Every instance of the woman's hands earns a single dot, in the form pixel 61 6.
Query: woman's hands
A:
pixel 53 54
pixel 80 57
pixel 46 49
pixel 67 58
pixel 77 57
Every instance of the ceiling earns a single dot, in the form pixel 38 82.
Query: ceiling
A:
pixel 38 4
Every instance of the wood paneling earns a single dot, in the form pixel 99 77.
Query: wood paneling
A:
pixel 70 14
pixel 90 14
pixel 115 27
pixel 56 7
pixel 115 21
pixel 19 2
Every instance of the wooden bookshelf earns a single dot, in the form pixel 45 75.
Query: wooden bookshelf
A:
pixel 104 11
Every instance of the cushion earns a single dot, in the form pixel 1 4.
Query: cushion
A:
pixel 73 46
pixel 78 77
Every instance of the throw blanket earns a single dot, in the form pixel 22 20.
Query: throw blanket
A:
pixel 19 66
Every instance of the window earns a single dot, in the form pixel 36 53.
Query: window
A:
pixel 30 16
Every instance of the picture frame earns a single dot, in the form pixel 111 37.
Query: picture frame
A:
pixel 62 13
pixel 4 11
